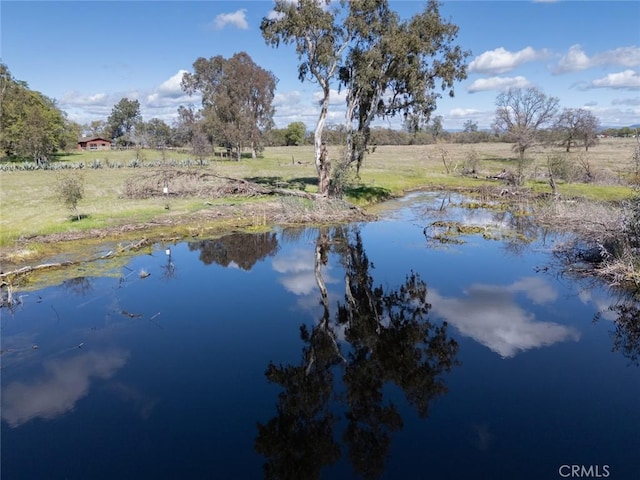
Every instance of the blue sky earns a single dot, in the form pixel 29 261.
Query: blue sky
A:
pixel 88 55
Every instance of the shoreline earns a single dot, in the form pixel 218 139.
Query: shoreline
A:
pixel 66 250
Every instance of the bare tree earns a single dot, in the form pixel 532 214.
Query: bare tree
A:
pixel 521 113
pixel 577 126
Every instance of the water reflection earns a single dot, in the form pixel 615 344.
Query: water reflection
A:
pixel 626 333
pixel 80 286
pixel 242 250
pixel 490 315
pixel 64 382
pixel 388 340
pixel 169 271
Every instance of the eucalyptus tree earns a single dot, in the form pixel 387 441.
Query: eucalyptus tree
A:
pixel 320 39
pixel 387 66
pixel 521 114
pixel 237 99
pixel 396 67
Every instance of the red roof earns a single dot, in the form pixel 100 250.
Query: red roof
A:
pixel 92 139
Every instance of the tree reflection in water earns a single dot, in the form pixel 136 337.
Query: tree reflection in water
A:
pixel 626 336
pixel 389 339
pixel 81 286
pixel 242 249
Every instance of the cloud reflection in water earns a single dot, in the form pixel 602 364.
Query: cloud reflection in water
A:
pixel 297 269
pixel 490 315
pixel 64 383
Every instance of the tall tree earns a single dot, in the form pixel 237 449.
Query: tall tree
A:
pixel 396 67
pixel 387 66
pixel 237 98
pixel 124 116
pixel 315 29
pixel 31 124
pixel 520 115
pixel 577 126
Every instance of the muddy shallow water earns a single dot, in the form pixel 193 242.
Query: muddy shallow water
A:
pixel 408 347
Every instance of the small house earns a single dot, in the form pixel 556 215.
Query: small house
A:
pixel 94 143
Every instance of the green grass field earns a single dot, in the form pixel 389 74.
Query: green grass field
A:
pixel 29 206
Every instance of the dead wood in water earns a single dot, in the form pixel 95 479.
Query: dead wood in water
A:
pixel 13 274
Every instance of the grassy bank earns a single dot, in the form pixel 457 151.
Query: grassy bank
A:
pixel 31 211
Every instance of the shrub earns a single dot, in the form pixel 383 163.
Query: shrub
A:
pixel 69 188
pixel 471 160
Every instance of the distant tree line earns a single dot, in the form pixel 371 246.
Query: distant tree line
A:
pixel 236 114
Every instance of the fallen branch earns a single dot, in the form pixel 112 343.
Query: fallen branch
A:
pixel 28 269
pixel 45 266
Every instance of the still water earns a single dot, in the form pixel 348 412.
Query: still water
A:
pixel 377 350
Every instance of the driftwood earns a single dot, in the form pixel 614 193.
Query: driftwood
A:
pixel 262 190
pixel 194 183
pixel 28 269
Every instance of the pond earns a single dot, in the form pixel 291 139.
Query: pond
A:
pixel 438 341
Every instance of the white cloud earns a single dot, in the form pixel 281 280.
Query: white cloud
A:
pixel 498 83
pixel 335 97
pixel 464 113
pixel 160 102
pixel 627 80
pixel 79 99
pixel 297 106
pixel 617 117
pixel 64 383
pixel 576 59
pixel 172 86
pixel 626 101
pixel 273 15
pixel 502 61
pixel 287 99
pixel 622 57
pixel 236 19
pixel 168 95
pixel 490 315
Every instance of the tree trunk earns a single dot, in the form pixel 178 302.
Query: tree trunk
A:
pixel 324 175
pixel 320 149
pixel 351 106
